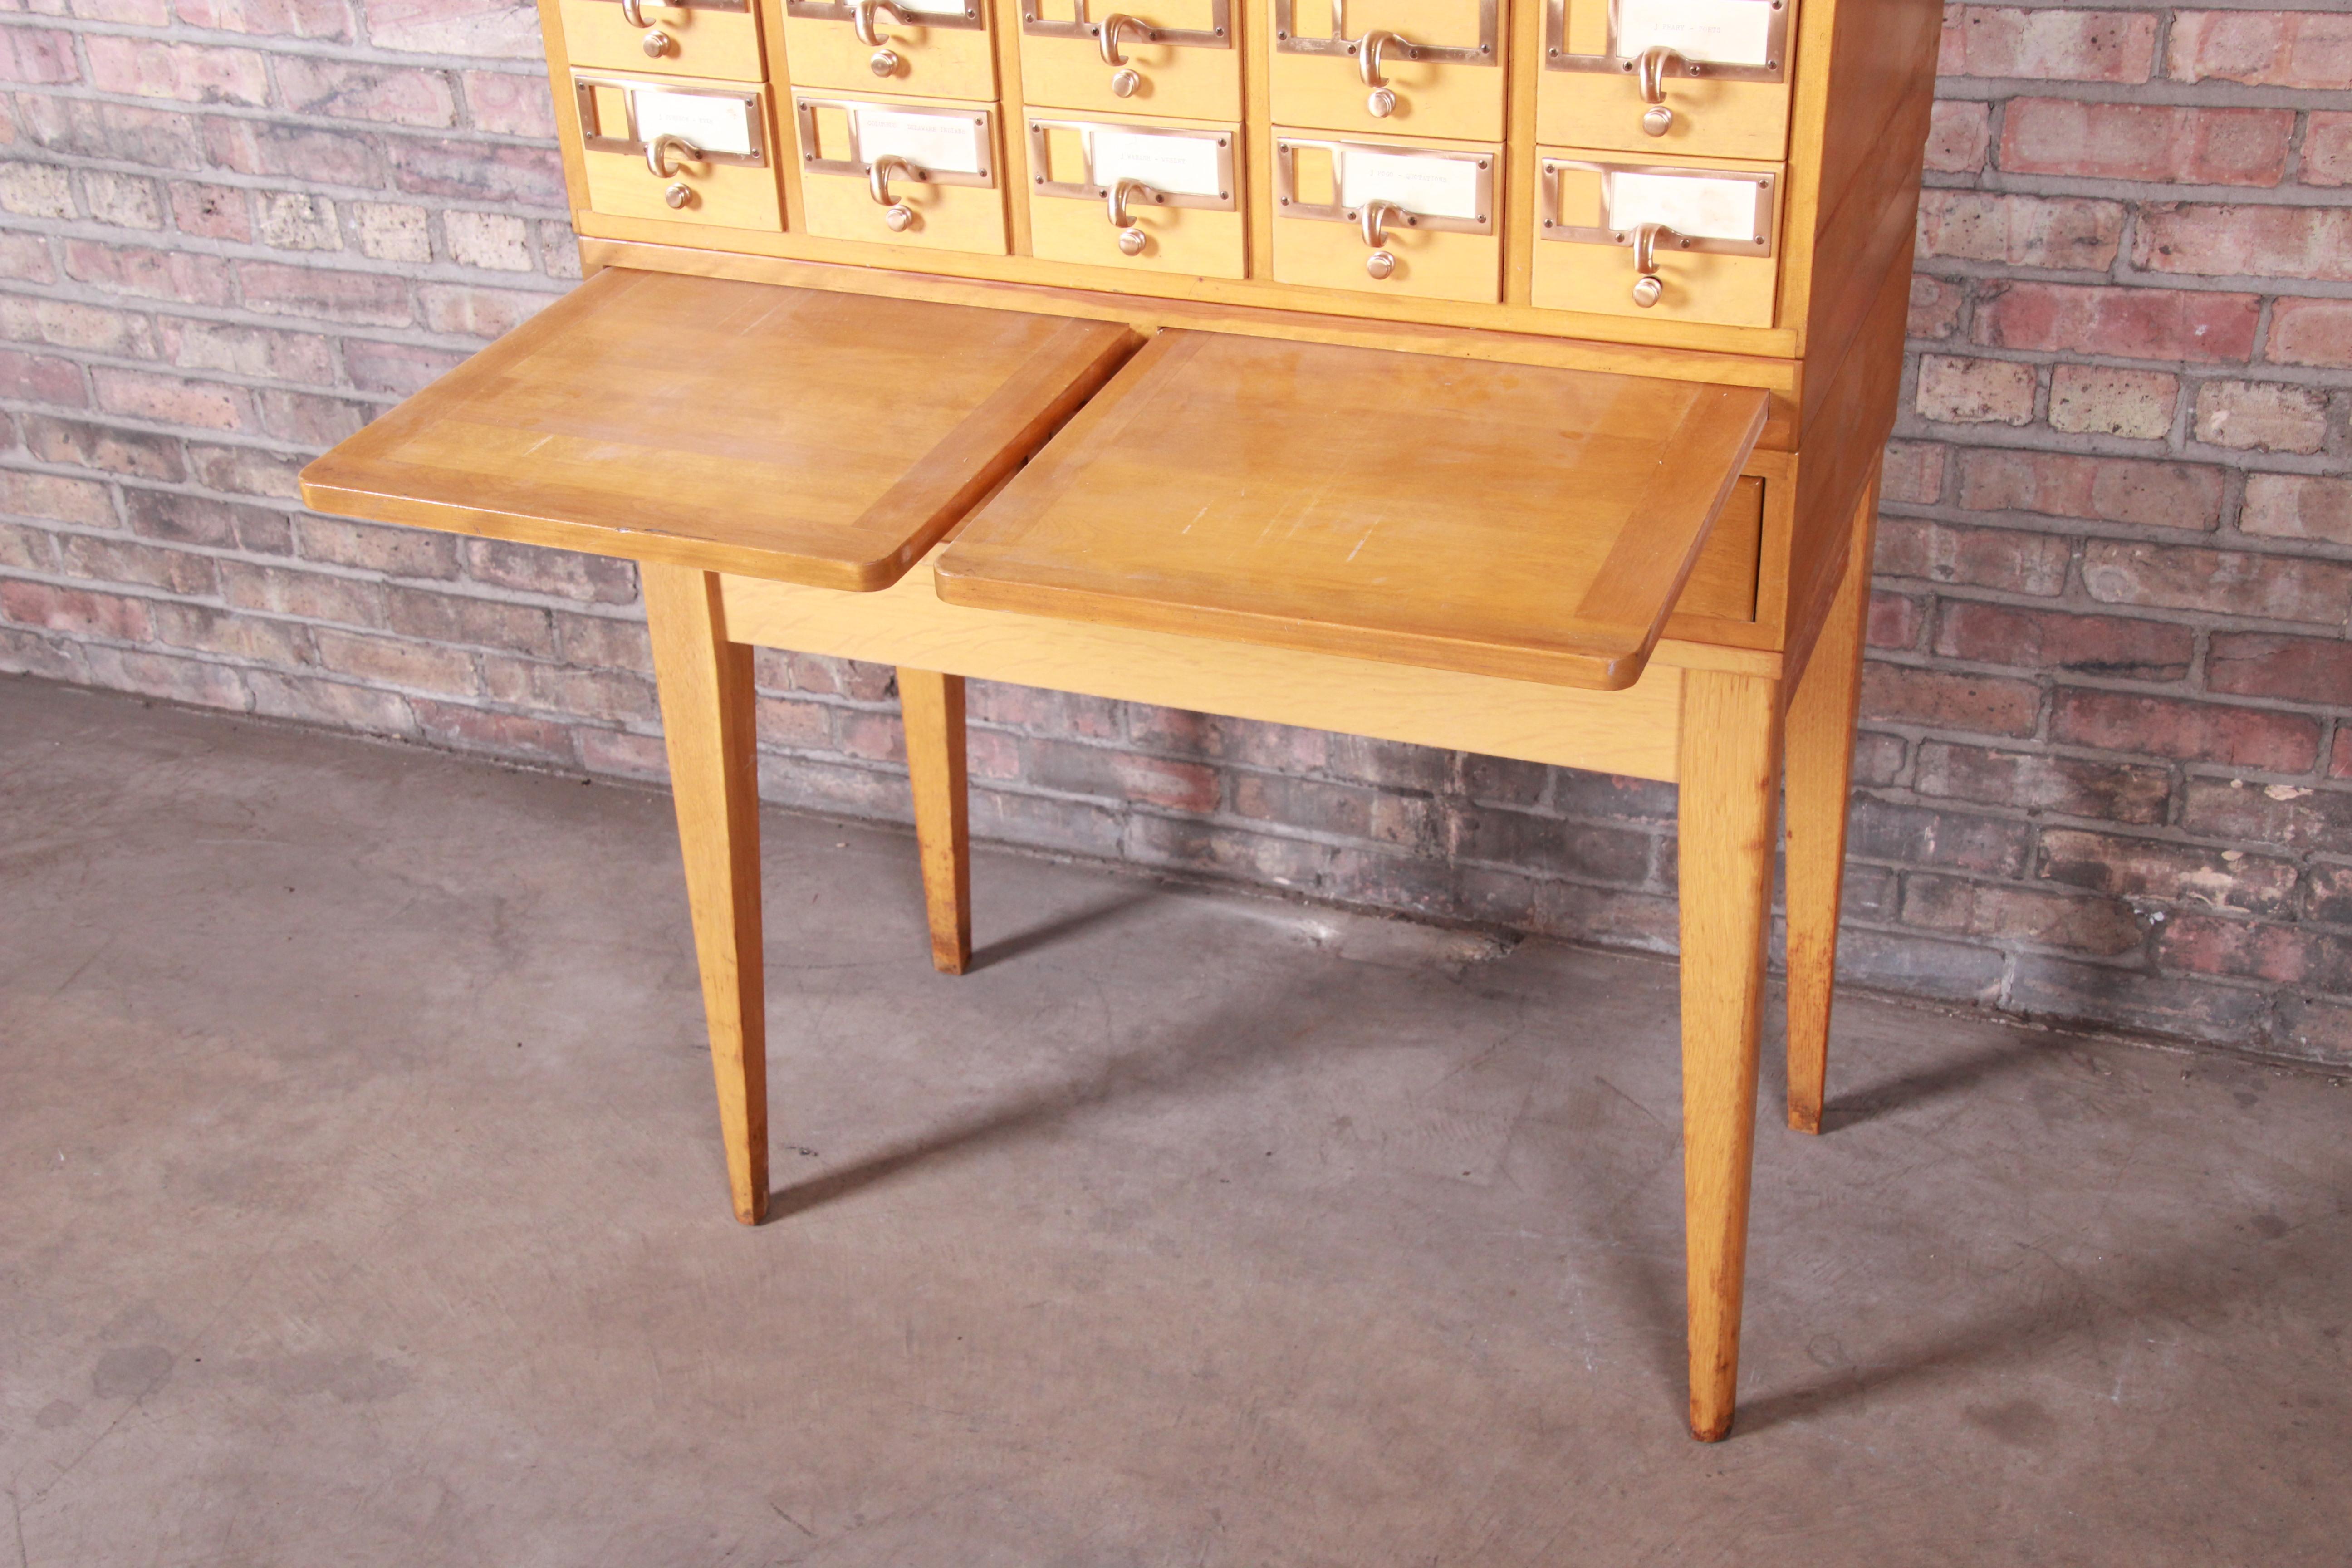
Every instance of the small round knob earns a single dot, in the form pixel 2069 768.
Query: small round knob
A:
pixel 657 45
pixel 1646 292
pixel 1131 241
pixel 1657 120
pixel 1379 263
pixel 1123 83
pixel 679 195
pixel 883 63
pixel 899 216
pixel 1381 103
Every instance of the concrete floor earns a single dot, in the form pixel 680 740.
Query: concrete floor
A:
pixel 361 1203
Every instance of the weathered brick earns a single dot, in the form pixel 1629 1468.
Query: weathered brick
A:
pixel 2311 331
pixel 361 299
pixel 198 520
pixel 508 104
pixel 2007 912
pixel 26 548
pixel 2294 669
pixel 478 170
pixel 2262 417
pixel 2105 401
pixel 313 596
pixel 563 573
pixel 1027 707
pixel 397 662
pixel 591 693
pixel 2327 893
pixel 42 378
pixel 2327 149
pixel 2230 582
pixel 56 498
pixel 245 470
pixel 487 30
pixel 106 558
pixel 2196 732
pixel 2244 241
pixel 2008 559
pixel 281 18
pixel 491 240
pixel 1975 391
pixel 2255 950
pixel 109 448
pixel 1925 835
pixel 1100 771
pixel 187 73
pixel 126 201
pixel 1894 621
pixel 307 417
pixel 442 616
pixel 297 220
pixel 64 323
pixel 1936 307
pixel 167 678
pixel 197 344
pixel 2038 782
pixel 2062 232
pixel 1913 472
pixel 2052 45
pixel 1281 798
pixel 2124 323
pixel 2262 48
pixel 293 151
pixel 466 311
pixel 2107 490
pixel 2103 995
pixel 559 249
pixel 42 655
pixel 2119 647
pixel 794 723
pixel 78 612
pixel 2315 1029
pixel 389 232
pixel 2297 506
pixel 617 752
pixel 396 551
pixel 602 642
pixel 178 275
pixel 36 190
pixel 1947 699
pixel 2163 143
pixel 2166 872
pixel 211 212
pixel 1958 137
pixel 171 400
pixel 2292 817
pixel 399 368
pixel 347 90
pixel 235 634
pixel 332 702
pixel 37 57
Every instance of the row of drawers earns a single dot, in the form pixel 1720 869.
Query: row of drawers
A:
pixel 1672 79
pixel 1690 241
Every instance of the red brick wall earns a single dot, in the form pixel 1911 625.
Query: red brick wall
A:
pixel 2102 777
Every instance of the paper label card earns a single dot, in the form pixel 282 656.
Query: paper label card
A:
pixel 1702 208
pixel 713 124
pixel 948 144
pixel 1419 183
pixel 931 8
pixel 1722 32
pixel 1180 166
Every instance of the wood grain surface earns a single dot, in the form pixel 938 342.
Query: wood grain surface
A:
pixel 1500 520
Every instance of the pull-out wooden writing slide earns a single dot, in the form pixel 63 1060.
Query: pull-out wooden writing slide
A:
pixel 1503 520
pixel 824 438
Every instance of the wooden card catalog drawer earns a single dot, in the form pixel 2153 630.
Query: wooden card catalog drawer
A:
pixel 1168 58
pixel 1415 68
pixel 676 37
pixel 1682 242
pixel 1126 192
pixel 1388 216
pixel 901 173
pixel 692 151
pixel 936 48
pixel 1670 78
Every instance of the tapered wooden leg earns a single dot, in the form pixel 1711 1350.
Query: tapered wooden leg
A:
pixel 932 707
pixel 1820 779
pixel 1730 765
pixel 706 721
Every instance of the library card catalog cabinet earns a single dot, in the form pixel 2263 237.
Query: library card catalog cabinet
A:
pixel 987 337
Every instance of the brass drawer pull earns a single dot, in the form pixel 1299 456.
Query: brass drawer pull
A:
pixel 659 150
pixel 897 215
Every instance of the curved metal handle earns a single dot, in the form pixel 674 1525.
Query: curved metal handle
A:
pixel 1645 247
pixel 863 14
pixel 660 148
pixel 1368 54
pixel 1372 222
pixel 1109 37
pixel 1116 199
pixel 633 12
pixel 1650 71
pixel 877 177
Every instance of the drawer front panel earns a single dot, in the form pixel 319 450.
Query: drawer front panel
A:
pixel 896 172
pixel 695 40
pixel 929 49
pixel 1387 217
pixel 1693 242
pixel 1174 58
pixel 1130 194
pixel 1423 68
pixel 1667 79
pixel 682 152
